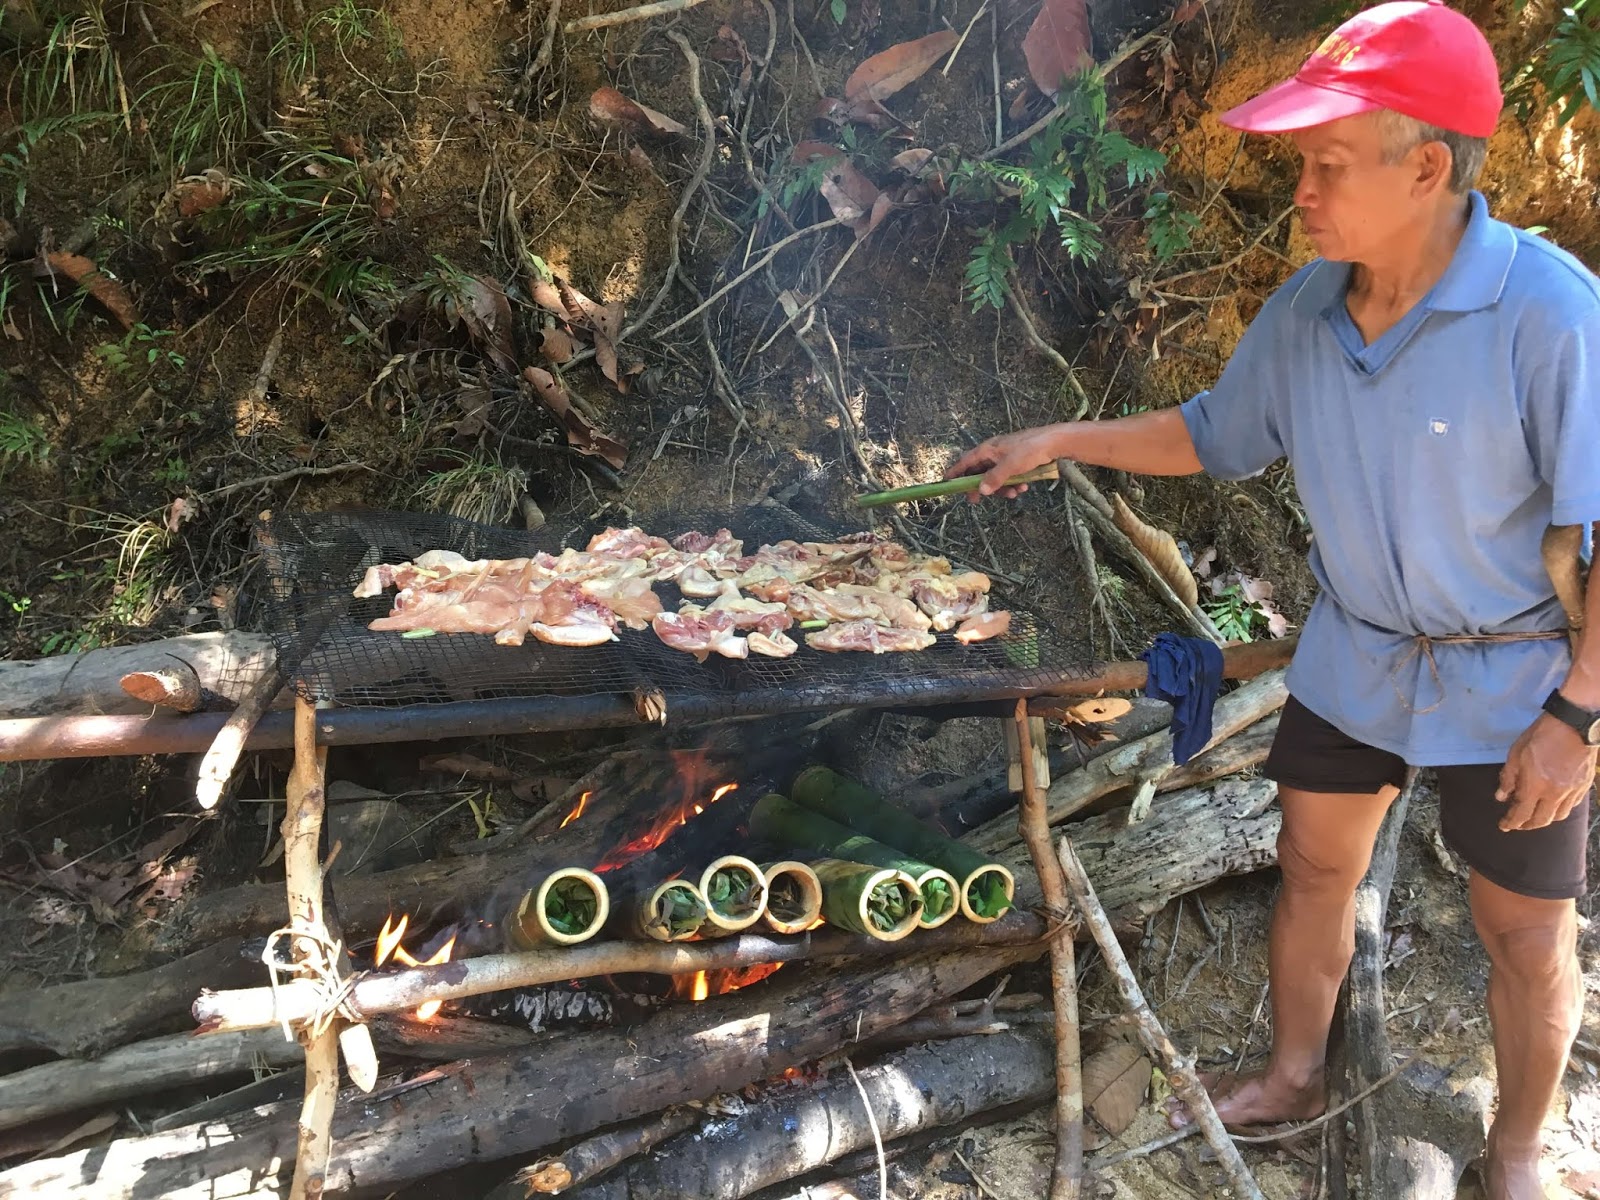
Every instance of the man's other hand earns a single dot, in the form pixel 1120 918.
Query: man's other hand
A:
pixel 1001 458
pixel 1548 772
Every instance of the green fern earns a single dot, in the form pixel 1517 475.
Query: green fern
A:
pixel 21 440
pixel 1081 238
pixel 987 270
pixel 1170 228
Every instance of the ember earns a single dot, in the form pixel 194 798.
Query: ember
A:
pixel 671 819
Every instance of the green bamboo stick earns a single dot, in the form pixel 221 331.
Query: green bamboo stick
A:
pixel 794 896
pixel 880 902
pixel 986 887
pixel 950 487
pixel 781 821
pixel 569 906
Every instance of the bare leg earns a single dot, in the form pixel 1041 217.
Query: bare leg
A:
pixel 1535 1004
pixel 1323 851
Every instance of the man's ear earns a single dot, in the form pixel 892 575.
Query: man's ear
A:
pixel 1433 164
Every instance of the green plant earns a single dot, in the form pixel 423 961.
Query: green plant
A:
pixel 76 68
pixel 21 440
pixel 139 348
pixel 15 164
pixel 201 116
pixel 344 26
pixel 1235 617
pixel 1565 68
pixel 1170 227
pixel 1062 186
pixel 838 11
pixel 475 491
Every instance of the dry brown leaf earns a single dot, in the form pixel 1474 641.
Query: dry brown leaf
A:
pixel 487 316
pixel 1188 12
pixel 912 160
pixel 200 193
pixel 581 435
pixel 1115 1080
pixel 1158 546
pixel 611 107
pixel 86 275
pixel 885 73
pixel 557 345
pixel 1057 44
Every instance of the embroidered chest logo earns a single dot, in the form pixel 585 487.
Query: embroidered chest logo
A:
pixel 1438 426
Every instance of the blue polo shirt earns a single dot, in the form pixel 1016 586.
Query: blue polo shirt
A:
pixel 1429 464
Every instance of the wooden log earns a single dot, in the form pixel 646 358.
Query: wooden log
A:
pixel 1066 1175
pixel 1148 756
pixel 91 682
pixel 1415 1138
pixel 177 687
pixel 373 994
pixel 89 1016
pixel 922 1088
pixel 517 1104
pixel 593 1157
pixel 141 1069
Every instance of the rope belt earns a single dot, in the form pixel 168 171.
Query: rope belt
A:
pixel 1423 645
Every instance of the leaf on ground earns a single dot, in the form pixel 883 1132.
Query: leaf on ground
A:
pixel 730 48
pixel 912 160
pixel 1057 44
pixel 1158 546
pixel 86 275
pixel 557 345
pixel 581 435
pixel 611 107
pixel 603 320
pixel 1115 1079
pixel 854 198
pixel 885 73
pixel 200 193
pixel 487 316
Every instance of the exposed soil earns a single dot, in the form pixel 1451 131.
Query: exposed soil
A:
pixel 485 164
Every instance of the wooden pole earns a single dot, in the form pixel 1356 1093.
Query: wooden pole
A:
pixel 1179 1068
pixel 1066 1180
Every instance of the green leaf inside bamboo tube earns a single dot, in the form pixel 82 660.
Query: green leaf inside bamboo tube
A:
pixel 569 906
pixel 878 901
pixel 780 821
pixel 794 896
pixel 986 887
pixel 674 911
pixel 736 895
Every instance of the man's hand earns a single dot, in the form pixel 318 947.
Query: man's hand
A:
pixel 1548 773
pixel 1001 458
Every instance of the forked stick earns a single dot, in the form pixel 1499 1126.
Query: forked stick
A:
pixel 1179 1070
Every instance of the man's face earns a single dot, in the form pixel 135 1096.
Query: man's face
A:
pixel 1353 203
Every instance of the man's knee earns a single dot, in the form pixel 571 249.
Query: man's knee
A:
pixel 1323 870
pixel 1541 956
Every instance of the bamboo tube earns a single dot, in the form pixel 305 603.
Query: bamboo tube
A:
pixel 781 821
pixel 880 902
pixel 794 897
pixel 736 895
pixel 569 906
pixel 986 887
pixel 673 910
pixel 951 487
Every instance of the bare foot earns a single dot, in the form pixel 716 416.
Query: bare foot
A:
pixel 1256 1100
pixel 1512 1175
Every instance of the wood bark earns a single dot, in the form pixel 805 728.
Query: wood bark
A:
pixel 91 683
pixel 141 1069
pixel 922 1088
pixel 1066 1177
pixel 1148 756
pixel 88 1017
pixel 593 1157
pixel 688 1052
pixel 1415 1140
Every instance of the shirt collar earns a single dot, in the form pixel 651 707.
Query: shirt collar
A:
pixel 1474 280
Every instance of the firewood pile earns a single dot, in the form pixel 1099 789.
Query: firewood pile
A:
pixel 647 987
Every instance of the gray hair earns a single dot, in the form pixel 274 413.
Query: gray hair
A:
pixel 1402 134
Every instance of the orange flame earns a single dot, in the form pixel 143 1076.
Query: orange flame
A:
pixel 389 947
pixel 583 803
pixel 699 989
pixel 662 829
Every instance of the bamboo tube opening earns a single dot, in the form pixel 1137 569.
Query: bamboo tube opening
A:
pixel 881 902
pixel 569 906
pixel 941 897
pixel 794 897
pixel 736 895
pixel 672 911
pixel 986 894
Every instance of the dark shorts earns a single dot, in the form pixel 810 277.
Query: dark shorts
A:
pixel 1312 755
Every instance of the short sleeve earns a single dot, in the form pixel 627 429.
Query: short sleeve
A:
pixel 1235 426
pixel 1561 416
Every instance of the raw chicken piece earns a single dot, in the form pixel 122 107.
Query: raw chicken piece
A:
pixel 722 544
pixel 775 645
pixel 983 626
pixel 864 635
pixel 629 597
pixel 951 599
pixel 632 542
pixel 752 614
pixel 694 580
pixel 814 604
pixel 898 611
pixel 699 632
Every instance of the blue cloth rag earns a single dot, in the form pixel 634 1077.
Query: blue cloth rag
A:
pixel 1186 672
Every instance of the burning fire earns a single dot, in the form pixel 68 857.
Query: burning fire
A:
pixel 583 803
pixel 699 989
pixel 389 946
pixel 703 984
pixel 662 829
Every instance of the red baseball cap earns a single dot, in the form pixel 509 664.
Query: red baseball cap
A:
pixel 1415 57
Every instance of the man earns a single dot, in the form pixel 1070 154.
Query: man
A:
pixel 1434 380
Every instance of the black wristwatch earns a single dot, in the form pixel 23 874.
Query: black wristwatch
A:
pixel 1585 721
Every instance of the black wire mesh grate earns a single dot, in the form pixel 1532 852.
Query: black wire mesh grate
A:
pixel 309 564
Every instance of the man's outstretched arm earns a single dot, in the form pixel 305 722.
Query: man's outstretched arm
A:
pixel 1155 443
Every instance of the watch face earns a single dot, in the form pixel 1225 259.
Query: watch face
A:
pixel 1593 734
